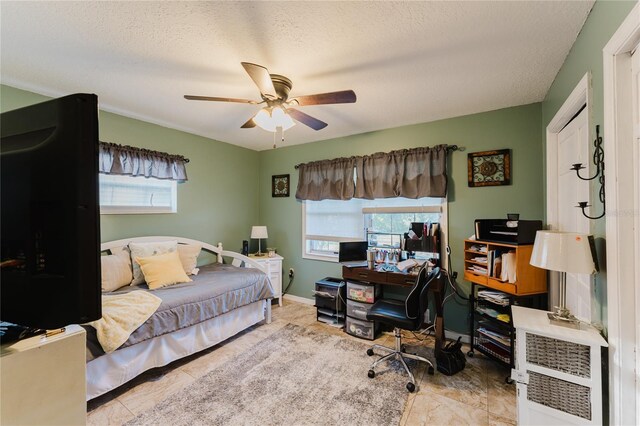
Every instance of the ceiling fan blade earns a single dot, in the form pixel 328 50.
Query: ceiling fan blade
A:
pixel 342 97
pixel 306 119
pixel 249 124
pixel 262 79
pixel 213 98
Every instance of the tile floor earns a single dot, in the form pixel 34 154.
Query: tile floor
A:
pixel 476 396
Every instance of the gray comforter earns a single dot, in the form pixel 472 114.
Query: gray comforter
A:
pixel 216 289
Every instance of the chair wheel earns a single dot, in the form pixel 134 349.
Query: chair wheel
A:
pixel 403 348
pixel 371 374
pixel 470 354
pixel 431 371
pixel 370 352
pixel 411 387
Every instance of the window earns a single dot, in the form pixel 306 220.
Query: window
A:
pixel 129 194
pixel 382 222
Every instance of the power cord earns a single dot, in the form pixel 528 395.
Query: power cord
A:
pixel 453 286
pixel 288 285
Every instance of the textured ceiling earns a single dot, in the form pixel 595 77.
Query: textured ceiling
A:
pixel 408 62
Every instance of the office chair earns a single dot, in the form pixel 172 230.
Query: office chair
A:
pixel 404 315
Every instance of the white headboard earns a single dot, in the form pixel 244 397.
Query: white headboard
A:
pixel 217 250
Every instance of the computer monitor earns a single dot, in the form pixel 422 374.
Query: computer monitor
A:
pixel 353 251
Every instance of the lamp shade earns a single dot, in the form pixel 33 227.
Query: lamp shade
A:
pixel 563 252
pixel 259 232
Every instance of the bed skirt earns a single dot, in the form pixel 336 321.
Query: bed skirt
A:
pixel 112 370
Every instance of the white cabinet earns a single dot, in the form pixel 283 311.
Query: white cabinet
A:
pixel 273 267
pixel 43 380
pixel 558 371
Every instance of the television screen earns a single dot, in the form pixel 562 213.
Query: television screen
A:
pixel 49 213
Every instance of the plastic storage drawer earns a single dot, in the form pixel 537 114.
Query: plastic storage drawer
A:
pixel 358 309
pixel 363 329
pixel 367 293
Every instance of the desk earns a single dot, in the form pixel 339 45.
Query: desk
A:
pixel 399 279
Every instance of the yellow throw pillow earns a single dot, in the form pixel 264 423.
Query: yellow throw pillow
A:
pixel 188 257
pixel 162 270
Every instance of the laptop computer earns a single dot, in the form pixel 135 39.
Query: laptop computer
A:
pixel 353 254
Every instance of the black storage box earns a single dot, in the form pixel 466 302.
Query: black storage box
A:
pixel 499 231
pixel 330 294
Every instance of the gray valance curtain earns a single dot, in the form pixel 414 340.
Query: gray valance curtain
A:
pixel 326 180
pixel 408 173
pixel 127 160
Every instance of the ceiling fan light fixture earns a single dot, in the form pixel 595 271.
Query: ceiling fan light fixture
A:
pixel 270 118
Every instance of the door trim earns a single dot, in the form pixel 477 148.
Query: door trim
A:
pixel 624 389
pixel 581 95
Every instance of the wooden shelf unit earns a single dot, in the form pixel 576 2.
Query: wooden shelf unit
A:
pixel 529 279
pixel 529 289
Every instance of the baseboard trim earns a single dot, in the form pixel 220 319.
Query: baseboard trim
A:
pixel 299 299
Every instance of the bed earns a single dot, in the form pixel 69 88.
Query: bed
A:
pixel 223 299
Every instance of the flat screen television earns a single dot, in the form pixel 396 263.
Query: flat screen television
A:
pixel 50 241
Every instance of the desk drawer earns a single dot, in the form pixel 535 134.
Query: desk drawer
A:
pixel 363 274
pixel 406 280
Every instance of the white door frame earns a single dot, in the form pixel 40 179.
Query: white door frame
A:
pixel 624 402
pixel 581 95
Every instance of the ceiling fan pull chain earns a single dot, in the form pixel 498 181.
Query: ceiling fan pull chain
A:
pixel 274 140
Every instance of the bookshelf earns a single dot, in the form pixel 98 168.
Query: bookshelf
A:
pixel 496 286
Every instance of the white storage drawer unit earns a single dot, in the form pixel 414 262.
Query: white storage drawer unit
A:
pixel 558 371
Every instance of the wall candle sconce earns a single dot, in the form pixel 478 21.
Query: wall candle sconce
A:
pixel 598 160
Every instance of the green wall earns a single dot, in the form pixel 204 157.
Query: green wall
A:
pixel 219 202
pixel 515 128
pixel 586 56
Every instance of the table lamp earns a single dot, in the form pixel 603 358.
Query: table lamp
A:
pixel 259 232
pixel 564 252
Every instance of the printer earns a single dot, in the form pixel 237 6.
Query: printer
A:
pixel 507 231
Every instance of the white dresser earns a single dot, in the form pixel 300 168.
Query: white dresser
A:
pixel 558 371
pixel 273 267
pixel 44 380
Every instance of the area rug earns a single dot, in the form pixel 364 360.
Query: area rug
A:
pixel 297 376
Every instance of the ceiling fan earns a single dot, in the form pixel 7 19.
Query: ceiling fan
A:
pixel 278 112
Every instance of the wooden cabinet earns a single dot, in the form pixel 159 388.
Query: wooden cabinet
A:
pixel 273 267
pixel 491 297
pixel 529 279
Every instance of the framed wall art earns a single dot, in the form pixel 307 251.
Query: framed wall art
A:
pixel 489 168
pixel 280 185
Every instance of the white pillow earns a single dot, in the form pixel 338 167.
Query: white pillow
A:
pixel 189 257
pixel 147 250
pixel 116 271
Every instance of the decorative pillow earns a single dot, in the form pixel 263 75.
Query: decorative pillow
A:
pixel 189 257
pixel 116 271
pixel 162 270
pixel 146 250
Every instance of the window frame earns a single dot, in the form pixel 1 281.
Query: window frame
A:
pixel 444 229
pixel 173 208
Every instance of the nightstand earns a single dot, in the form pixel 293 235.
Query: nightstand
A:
pixel 273 267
